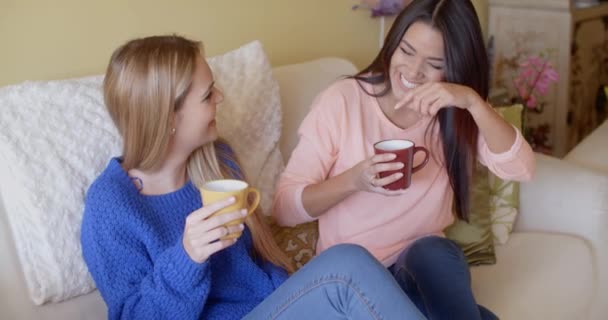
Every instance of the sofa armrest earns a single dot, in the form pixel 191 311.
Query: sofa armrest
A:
pixel 566 198
pixel 592 152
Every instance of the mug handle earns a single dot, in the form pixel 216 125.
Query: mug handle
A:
pixel 256 200
pixel 426 158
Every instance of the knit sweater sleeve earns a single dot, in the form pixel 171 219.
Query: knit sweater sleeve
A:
pixel 171 286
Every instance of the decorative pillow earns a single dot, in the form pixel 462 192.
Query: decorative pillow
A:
pixel 494 207
pixel 57 137
pixel 299 242
pixel 475 237
pixel 250 116
pixel 504 194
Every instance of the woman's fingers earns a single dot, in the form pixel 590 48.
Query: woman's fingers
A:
pixel 384 167
pixel 217 233
pixel 224 219
pixel 203 232
pixel 217 246
pixel 203 238
pixel 209 209
pixel 217 221
pixel 379 158
pixel 390 193
pixel 381 182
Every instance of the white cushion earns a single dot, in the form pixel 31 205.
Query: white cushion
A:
pixel 539 276
pixel 56 138
pixel 250 116
pixel 592 152
pixel 15 302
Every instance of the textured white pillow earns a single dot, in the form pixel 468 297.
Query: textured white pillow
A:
pixel 56 137
pixel 250 117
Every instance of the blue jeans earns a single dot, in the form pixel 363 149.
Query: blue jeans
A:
pixel 434 273
pixel 343 282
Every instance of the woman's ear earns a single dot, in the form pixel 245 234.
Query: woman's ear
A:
pixel 176 120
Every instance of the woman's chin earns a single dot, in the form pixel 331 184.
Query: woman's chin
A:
pixel 210 139
pixel 399 89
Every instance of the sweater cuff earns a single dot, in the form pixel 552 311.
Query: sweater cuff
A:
pixel 509 154
pixel 186 272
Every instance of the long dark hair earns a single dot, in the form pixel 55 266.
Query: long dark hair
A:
pixel 466 63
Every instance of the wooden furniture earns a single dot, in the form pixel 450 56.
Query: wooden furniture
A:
pixel 575 39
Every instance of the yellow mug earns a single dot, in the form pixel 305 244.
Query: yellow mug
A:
pixel 214 191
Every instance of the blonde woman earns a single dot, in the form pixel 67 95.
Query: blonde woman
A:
pixel 154 251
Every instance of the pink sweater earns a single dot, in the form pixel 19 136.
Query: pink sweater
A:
pixel 338 133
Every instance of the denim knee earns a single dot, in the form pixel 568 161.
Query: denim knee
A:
pixel 347 254
pixel 433 249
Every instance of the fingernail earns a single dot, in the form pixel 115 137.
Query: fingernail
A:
pixel 399 174
pixel 401 165
pixel 243 212
pixel 241 226
pixel 232 199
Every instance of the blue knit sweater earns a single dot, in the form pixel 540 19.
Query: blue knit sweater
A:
pixel 132 245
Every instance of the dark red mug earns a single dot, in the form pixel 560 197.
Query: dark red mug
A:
pixel 405 151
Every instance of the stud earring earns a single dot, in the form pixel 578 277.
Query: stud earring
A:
pixel 173 131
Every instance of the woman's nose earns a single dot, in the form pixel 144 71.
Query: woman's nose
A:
pixel 414 70
pixel 219 96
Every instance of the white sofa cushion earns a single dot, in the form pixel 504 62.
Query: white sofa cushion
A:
pixel 250 116
pixel 16 303
pixel 56 137
pixel 592 152
pixel 538 276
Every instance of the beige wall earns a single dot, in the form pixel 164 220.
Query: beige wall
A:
pixel 66 38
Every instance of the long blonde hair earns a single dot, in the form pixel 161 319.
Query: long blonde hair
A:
pixel 145 84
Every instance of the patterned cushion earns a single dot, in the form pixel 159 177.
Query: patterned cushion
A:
pixel 299 242
pixel 494 206
pixel 504 194
pixel 475 237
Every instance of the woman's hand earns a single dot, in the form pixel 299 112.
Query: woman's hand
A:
pixel 202 232
pixel 364 175
pixel 429 98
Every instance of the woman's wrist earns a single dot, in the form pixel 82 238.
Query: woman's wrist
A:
pixel 350 181
pixel 478 107
pixel 318 198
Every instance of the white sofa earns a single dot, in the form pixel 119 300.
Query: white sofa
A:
pixel 555 266
pixel 592 152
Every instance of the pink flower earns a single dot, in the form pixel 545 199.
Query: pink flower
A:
pixel 551 74
pixel 531 103
pixel 535 76
pixel 383 7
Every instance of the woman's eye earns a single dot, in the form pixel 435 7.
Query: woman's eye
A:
pixel 405 51
pixel 208 97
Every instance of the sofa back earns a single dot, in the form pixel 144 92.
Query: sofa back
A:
pixel 299 85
